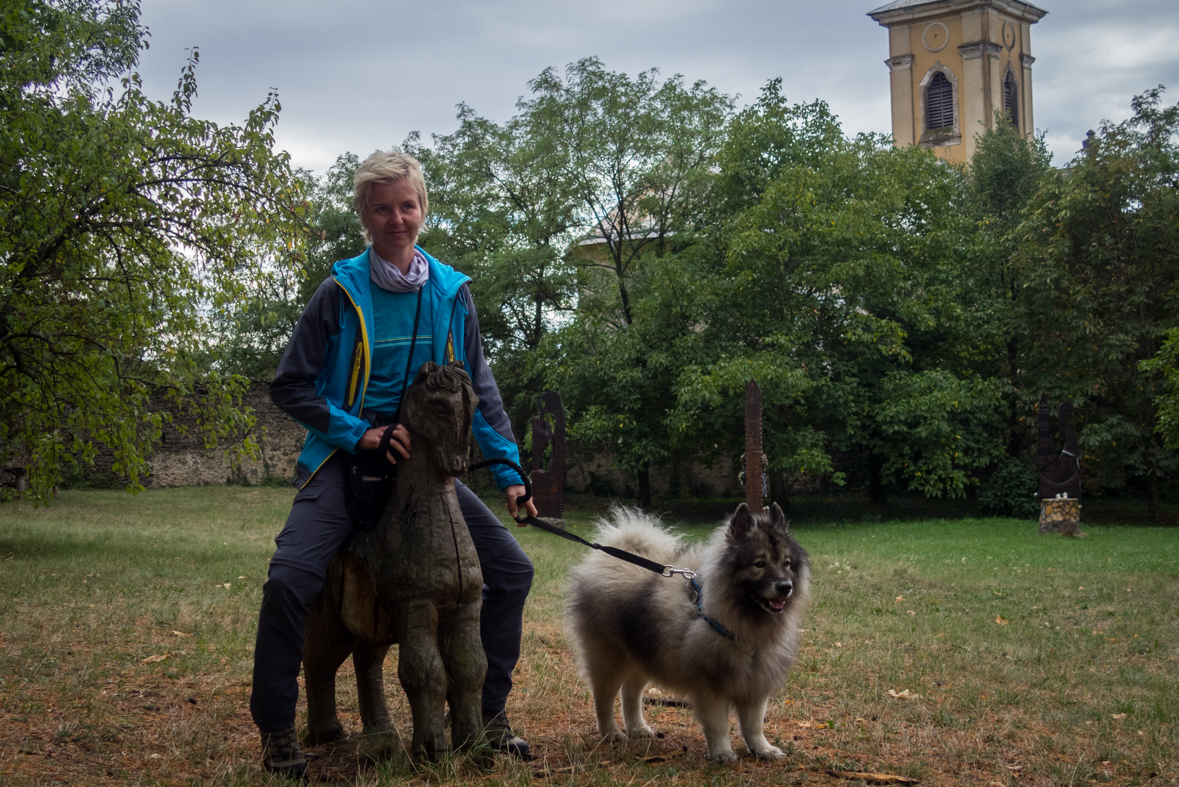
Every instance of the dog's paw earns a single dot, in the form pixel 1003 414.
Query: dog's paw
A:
pixel 725 756
pixel 640 732
pixel 769 752
pixel 614 736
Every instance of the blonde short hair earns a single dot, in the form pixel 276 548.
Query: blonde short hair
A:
pixel 387 166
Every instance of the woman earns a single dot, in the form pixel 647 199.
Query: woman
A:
pixel 366 330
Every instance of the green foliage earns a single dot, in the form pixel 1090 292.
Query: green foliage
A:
pixel 503 212
pixel 333 226
pixel 637 154
pixel 126 223
pixel 255 328
pixel 1005 174
pixel 1100 287
pixel 1165 366
pixel 636 157
pixel 646 252
pixel 1010 490
pixel 837 290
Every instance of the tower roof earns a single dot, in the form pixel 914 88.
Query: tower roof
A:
pixel 916 8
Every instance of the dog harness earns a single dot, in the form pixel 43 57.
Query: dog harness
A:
pixel 696 594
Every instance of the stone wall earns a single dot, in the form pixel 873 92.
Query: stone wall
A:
pixel 181 460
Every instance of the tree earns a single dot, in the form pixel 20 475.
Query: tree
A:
pixel 254 330
pixel 1006 172
pixel 637 153
pixel 837 288
pixel 126 224
pixel 503 213
pixel 639 157
pixel 1096 257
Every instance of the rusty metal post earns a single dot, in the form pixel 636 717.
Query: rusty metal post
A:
pixel 753 448
pixel 548 483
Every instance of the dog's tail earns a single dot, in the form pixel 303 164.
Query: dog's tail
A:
pixel 637 532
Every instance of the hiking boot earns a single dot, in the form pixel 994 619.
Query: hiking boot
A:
pixel 501 738
pixel 281 754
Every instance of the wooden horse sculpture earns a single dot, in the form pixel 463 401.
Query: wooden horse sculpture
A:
pixel 414 580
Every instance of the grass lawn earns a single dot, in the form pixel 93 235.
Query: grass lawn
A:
pixel 967 651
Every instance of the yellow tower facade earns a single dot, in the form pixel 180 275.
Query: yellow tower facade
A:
pixel 953 64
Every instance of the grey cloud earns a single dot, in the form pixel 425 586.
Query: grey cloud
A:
pixel 358 75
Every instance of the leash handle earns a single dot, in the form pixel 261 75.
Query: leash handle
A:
pixel 532 521
pixel 520 499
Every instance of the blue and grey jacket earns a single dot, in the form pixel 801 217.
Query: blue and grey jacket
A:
pixel 324 371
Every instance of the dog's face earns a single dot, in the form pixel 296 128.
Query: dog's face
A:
pixel 764 560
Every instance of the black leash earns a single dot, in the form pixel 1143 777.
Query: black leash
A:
pixel 696 591
pixel 532 521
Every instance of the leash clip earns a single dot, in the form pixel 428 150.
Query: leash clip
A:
pixel 671 571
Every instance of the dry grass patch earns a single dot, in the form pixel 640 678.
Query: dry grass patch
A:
pixel 971 652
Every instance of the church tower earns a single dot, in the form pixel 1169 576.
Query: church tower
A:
pixel 953 63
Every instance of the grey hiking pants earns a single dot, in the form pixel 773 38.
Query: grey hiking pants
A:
pixel 316 528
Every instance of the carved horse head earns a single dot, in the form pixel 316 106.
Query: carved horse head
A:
pixel 438 409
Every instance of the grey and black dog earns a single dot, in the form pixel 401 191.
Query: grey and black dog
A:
pixel 724 642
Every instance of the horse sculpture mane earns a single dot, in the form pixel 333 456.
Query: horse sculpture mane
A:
pixel 414 580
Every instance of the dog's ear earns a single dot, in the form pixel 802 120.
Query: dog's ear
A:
pixel 778 519
pixel 741 522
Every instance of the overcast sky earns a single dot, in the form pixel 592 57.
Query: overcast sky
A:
pixel 358 75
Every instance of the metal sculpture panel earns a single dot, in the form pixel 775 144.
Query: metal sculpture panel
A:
pixel 754 471
pixel 548 483
pixel 1060 473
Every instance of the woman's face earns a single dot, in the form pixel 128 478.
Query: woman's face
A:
pixel 393 217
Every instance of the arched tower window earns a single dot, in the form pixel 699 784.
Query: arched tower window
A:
pixel 939 103
pixel 1011 98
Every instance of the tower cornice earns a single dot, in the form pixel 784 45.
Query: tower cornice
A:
pixel 912 10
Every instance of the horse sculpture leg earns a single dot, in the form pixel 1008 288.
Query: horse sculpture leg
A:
pixel 369 660
pixel 466 667
pixel 422 675
pixel 327 644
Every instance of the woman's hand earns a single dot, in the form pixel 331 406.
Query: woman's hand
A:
pixel 513 492
pixel 400 442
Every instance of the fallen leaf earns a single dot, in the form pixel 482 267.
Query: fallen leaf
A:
pixel 874 778
pixel 900 598
pixel 181 634
pixel 903 695
pixel 157 657
pixel 1002 621
pixel 1119 716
